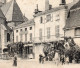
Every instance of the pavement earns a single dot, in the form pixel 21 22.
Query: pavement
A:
pixel 30 63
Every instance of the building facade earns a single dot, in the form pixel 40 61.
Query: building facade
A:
pixel 10 16
pixel 49 25
pixel 72 27
pixel 24 32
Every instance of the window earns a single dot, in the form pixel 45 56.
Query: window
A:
pixel 30 49
pixel 77 31
pixel 40 34
pixel 16 38
pixel 57 31
pixel 20 29
pixel 30 36
pixel 16 31
pixel 30 28
pixel 21 36
pixel 57 17
pixel 48 17
pixel 8 37
pixel 25 37
pixel 41 19
pixel 48 32
pixel 25 29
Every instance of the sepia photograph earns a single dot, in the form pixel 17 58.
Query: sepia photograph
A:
pixel 39 33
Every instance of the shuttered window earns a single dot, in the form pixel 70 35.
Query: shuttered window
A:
pixel 57 31
pixel 25 37
pixel 40 34
pixel 48 32
pixel 30 36
pixel 41 19
pixel 48 18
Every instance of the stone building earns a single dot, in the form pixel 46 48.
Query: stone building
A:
pixel 49 25
pixel 10 16
pixel 25 33
pixel 72 27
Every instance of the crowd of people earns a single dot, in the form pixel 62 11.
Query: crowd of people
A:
pixel 62 52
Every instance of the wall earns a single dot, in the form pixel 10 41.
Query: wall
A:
pixel 69 33
pixel 23 33
pixel 3 34
pixel 51 24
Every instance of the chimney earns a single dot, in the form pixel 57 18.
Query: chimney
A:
pixel 50 7
pixel 63 2
pixel 36 10
pixel 46 5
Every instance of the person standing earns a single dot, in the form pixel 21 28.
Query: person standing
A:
pixel 15 60
pixel 40 57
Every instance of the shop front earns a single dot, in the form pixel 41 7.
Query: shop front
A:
pixel 28 51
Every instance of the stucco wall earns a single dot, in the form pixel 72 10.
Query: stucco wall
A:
pixel 69 33
pixel 51 24
pixel 23 32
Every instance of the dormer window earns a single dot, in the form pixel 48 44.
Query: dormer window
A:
pixel 41 19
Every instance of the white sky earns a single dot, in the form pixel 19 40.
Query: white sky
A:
pixel 27 6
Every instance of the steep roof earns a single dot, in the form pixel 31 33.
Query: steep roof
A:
pixel 2 15
pixel 25 24
pixel 12 11
pixel 76 5
pixel 25 18
pixel 73 20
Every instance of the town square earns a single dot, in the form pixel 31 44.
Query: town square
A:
pixel 44 35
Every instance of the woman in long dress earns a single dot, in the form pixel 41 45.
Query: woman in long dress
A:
pixel 15 61
pixel 56 58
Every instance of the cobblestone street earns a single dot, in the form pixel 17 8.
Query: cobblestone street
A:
pixel 34 64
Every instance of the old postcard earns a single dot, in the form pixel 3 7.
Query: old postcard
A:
pixel 39 33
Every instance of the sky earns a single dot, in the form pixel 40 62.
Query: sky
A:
pixel 28 6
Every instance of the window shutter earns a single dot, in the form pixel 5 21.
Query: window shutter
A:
pixel 51 17
pixel 57 31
